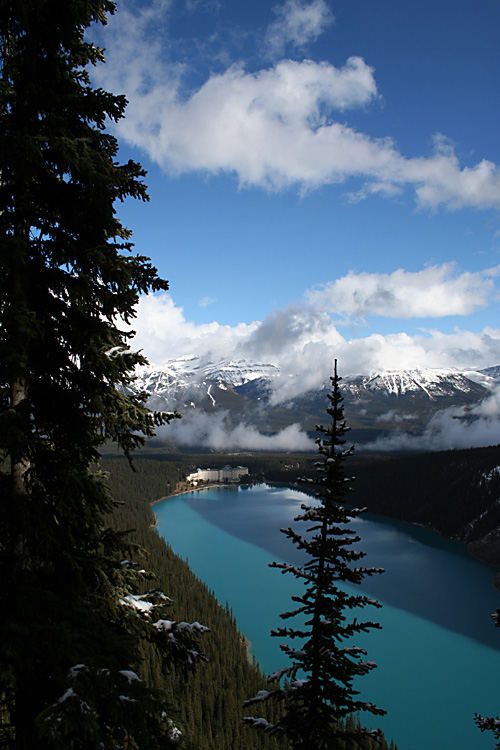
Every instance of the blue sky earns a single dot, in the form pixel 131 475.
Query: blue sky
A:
pixel 323 178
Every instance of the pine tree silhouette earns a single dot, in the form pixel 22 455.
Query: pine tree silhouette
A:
pixel 317 689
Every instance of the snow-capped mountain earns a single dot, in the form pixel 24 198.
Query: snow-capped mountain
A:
pixel 491 373
pixel 179 378
pixel 186 370
pixel 187 381
pixel 431 383
pixel 375 403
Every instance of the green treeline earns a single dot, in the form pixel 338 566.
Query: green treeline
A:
pixel 447 490
pixel 207 706
pixel 454 492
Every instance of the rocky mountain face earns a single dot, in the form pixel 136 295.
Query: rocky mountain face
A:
pixel 375 404
pixel 427 383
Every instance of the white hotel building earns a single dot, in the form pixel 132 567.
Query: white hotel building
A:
pixel 225 474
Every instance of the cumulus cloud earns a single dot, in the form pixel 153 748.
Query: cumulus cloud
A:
pixel 163 332
pixel 215 431
pixel 291 329
pixel 308 366
pixel 297 23
pixel 267 127
pixel 303 341
pixel 276 127
pixel 293 339
pixel 460 349
pixel 435 292
pixel 457 427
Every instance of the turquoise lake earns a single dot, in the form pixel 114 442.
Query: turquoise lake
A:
pixel 438 653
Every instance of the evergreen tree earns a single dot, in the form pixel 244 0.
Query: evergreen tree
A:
pixel 72 614
pixel 490 723
pixel 317 690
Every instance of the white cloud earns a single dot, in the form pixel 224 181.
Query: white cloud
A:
pixel 393 417
pixel 435 292
pixel 297 23
pixel 163 332
pixel 385 189
pixel 457 427
pixel 461 349
pixel 291 329
pixel 267 127
pixel 307 366
pixel 215 431
pixel 276 127
pixel 303 341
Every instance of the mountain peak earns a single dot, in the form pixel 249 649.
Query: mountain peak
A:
pixel 238 391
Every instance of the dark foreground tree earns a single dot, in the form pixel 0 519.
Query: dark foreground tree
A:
pixel 72 612
pixel 317 689
pixel 490 723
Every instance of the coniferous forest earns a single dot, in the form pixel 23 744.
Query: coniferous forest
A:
pixel 107 640
pixel 76 617
pixel 453 492
pixel 210 702
pixel 89 654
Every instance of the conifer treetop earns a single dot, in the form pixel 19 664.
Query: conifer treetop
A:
pixel 317 688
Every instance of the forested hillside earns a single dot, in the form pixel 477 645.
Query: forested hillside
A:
pixel 456 493
pixel 208 706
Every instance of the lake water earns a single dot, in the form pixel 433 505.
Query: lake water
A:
pixel 438 652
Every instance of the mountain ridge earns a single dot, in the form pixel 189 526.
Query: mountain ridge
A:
pixel 236 373
pixel 243 392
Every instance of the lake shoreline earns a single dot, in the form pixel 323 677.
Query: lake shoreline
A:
pixel 435 614
pixel 194 489
pixel 494 566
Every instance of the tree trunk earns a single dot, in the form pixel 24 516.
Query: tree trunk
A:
pixel 20 464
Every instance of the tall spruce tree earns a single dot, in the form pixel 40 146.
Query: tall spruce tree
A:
pixel 73 613
pixel 317 689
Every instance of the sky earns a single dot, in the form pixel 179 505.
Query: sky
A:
pixel 324 179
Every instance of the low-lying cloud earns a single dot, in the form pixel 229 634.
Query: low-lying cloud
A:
pixel 215 431
pixel 457 427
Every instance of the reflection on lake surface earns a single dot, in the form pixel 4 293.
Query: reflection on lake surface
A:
pixel 438 651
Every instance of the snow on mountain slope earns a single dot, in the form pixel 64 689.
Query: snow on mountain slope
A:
pixel 239 372
pixel 489 377
pixel 431 382
pixel 190 377
pixel 238 392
